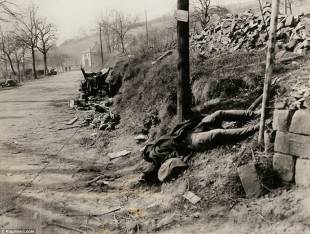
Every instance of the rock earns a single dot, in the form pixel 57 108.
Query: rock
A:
pixel 101 108
pixel 290 20
pixel 133 227
pixel 107 103
pixel 119 154
pixel 285 166
pixel 280 105
pixel 167 220
pixel 72 103
pixel 282 120
pixel 302 175
pixel 250 180
pixel 103 126
pixel 307 102
pixel 301 123
pixel 306 43
pixel 191 197
pixel 292 144
pixel 141 138
pixel 299 26
pixel 291 45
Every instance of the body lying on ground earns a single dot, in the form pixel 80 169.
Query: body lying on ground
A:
pixel 201 133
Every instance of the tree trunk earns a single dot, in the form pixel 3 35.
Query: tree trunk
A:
pixel 34 63
pixel 23 68
pixel 11 64
pixel 18 70
pixel 45 63
pixel 101 49
pixel 269 68
pixel 122 44
pixel 18 66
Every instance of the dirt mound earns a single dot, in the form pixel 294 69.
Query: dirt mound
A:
pixel 148 88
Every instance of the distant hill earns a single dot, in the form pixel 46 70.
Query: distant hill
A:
pixel 300 6
pixel 74 48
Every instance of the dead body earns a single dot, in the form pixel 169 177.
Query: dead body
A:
pixel 198 134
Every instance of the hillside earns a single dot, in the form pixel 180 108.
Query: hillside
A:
pixel 75 47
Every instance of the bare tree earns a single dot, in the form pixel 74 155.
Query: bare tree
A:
pixel 46 39
pixel 8 48
pixel 107 32
pixel 121 25
pixel 19 57
pixel 201 11
pixel 29 33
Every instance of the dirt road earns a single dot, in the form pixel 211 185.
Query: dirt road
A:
pixel 36 158
pixel 39 176
pixel 44 173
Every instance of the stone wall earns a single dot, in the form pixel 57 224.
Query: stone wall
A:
pixel 292 146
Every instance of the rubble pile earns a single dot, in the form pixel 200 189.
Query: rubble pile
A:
pixel 251 31
pixel 94 91
pixel 100 116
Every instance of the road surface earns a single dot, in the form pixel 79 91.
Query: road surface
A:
pixel 36 159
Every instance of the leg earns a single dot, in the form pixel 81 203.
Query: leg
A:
pixel 205 140
pixel 215 120
pixel 229 115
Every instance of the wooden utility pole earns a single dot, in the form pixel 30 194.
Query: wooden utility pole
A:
pixel 269 67
pixel 146 30
pixel 101 48
pixel 183 86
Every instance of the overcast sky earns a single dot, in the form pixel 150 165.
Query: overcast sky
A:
pixel 72 17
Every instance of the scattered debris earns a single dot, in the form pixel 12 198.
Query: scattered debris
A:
pixel 119 154
pixel 72 103
pixel 66 227
pixel 191 197
pixel 171 168
pixel 141 138
pixel 72 121
pixel 250 180
pixel 166 54
pixel 97 215
pixel 52 72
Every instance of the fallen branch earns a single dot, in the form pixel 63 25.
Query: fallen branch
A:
pixel 66 227
pixel 256 103
pixel 66 128
pixel 95 215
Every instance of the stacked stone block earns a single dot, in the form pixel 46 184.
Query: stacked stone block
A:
pixel 250 30
pixel 292 146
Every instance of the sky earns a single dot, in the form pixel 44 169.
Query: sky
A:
pixel 76 18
